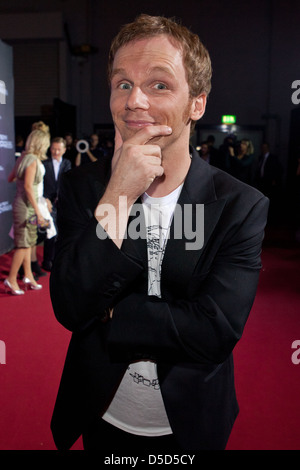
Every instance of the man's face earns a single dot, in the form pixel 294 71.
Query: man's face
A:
pixel 244 146
pixel 204 149
pixel 57 150
pixel 94 140
pixel 68 139
pixel 149 87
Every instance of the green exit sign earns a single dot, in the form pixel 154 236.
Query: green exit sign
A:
pixel 228 119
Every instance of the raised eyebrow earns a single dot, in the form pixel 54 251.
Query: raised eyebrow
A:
pixel 162 69
pixel 158 68
pixel 119 71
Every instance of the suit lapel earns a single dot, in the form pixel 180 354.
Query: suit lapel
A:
pixel 52 169
pixel 180 252
pixel 183 253
pixel 61 169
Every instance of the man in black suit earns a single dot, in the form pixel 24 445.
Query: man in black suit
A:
pixel 55 166
pixel 269 179
pixel 157 264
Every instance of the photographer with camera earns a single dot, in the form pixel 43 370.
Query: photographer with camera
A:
pixel 91 152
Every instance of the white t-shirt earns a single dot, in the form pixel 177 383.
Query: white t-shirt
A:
pixel 137 406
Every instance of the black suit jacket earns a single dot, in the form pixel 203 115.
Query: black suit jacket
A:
pixel 272 175
pixel 51 185
pixel 190 332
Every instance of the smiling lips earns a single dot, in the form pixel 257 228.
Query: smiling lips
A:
pixel 138 124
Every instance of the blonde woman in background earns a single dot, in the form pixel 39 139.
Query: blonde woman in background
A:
pixel 28 174
pixel 35 267
pixel 40 125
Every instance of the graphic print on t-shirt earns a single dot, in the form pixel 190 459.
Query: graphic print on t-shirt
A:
pixel 139 392
pixel 156 243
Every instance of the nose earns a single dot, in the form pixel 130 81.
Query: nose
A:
pixel 137 99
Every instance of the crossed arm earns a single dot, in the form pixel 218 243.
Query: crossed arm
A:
pixel 91 275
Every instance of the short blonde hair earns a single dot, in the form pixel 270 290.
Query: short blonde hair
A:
pixel 38 143
pixel 196 58
pixel 59 140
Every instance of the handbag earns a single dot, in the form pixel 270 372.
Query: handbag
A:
pixel 41 227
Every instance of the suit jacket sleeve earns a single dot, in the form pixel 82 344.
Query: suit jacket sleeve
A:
pixel 205 327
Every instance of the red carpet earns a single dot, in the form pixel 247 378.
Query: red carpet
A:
pixel 268 383
pixel 36 345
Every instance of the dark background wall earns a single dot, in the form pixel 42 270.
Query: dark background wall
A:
pixel 7 151
pixel 254 46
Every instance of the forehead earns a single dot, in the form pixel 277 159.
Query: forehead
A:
pixel 153 51
pixel 57 145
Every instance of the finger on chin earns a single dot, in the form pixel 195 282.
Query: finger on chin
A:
pixel 149 133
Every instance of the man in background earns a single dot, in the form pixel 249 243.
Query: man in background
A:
pixel 269 180
pixel 55 166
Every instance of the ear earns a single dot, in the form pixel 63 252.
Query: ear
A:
pixel 198 107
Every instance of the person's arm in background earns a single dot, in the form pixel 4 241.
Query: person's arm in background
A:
pixel 29 176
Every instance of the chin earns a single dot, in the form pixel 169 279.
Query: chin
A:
pixel 158 140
